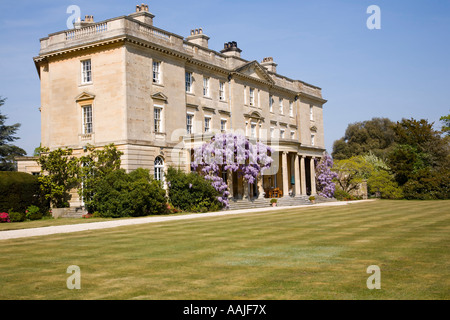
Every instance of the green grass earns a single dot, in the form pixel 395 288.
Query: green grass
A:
pixel 307 253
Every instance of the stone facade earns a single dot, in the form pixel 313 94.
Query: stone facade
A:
pixel 157 94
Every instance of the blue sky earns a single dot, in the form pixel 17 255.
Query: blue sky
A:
pixel 399 71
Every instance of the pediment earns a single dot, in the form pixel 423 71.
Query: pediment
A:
pixel 313 129
pixel 159 96
pixel 255 70
pixel 84 96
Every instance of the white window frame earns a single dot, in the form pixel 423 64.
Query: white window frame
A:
pixel 86 71
pixel 223 125
pixel 272 132
pixel 206 86
pixel 311 113
pixel 291 109
pixel 253 129
pixel 271 101
pixel 87 123
pixel 313 138
pixel 281 106
pixel 156 72
pixel 252 97
pixel 159 169
pixel 158 122
pixel 292 135
pixel 207 124
pixel 188 81
pixel 222 91
pixel 189 123
pixel 282 131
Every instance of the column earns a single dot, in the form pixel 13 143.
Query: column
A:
pixel 261 192
pixel 285 174
pixel 297 175
pixel 245 195
pixel 303 175
pixel 313 176
pixel 230 183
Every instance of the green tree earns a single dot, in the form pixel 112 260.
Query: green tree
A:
pixel 8 151
pixel 351 172
pixel 94 165
pixel 374 135
pixel 59 175
pixel 446 124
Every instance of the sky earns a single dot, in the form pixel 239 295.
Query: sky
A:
pixel 399 71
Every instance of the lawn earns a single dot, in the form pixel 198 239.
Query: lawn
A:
pixel 303 253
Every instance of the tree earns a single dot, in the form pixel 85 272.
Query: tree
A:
pixel 446 124
pixel 325 176
pixel 8 151
pixel 374 135
pixel 59 175
pixel 351 172
pixel 419 146
pixel 94 165
pixel 228 152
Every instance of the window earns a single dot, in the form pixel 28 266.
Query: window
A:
pixel 223 125
pixel 282 133
pixel 207 124
pixel 188 78
pixel 206 86
pixel 157 118
pixel 292 135
pixel 281 106
pixel 252 96
pixel 272 132
pixel 156 72
pixel 270 103
pixel 253 130
pixel 313 136
pixel 222 91
pixel 311 113
pixel 291 109
pixel 159 169
pixel 189 118
pixel 86 71
pixel 87 119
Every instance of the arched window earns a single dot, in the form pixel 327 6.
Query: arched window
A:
pixel 159 169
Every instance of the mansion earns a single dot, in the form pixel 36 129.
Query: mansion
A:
pixel 157 95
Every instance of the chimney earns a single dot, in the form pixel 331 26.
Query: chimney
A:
pixel 142 14
pixel 269 64
pixel 88 20
pixel 197 37
pixel 231 49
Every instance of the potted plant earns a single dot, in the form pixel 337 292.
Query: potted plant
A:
pixel 312 199
pixel 273 202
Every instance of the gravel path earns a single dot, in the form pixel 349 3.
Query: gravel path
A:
pixel 42 231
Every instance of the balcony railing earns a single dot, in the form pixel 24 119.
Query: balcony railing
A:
pixel 86 31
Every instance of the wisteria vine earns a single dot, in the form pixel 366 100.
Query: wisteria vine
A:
pixel 325 176
pixel 233 153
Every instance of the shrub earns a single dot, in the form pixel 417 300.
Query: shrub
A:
pixel 19 190
pixel 135 194
pixel 33 213
pixel 273 201
pixel 312 198
pixel 4 217
pixel 341 195
pixel 191 192
pixel 16 216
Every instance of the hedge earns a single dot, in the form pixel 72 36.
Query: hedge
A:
pixel 18 190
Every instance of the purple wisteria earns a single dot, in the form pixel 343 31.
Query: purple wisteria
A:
pixel 325 184
pixel 229 152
